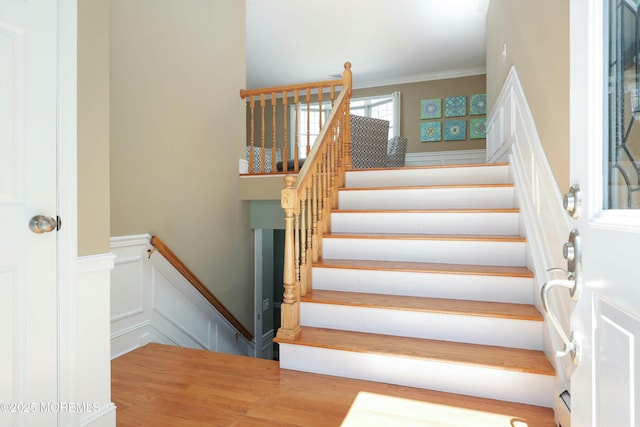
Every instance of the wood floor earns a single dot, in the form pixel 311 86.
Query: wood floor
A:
pixel 159 385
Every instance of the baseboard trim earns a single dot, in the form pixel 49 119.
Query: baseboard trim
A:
pixel 105 416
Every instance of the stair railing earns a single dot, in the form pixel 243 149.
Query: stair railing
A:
pixel 274 128
pixel 307 201
pixel 173 259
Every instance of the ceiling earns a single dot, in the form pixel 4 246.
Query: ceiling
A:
pixel 386 41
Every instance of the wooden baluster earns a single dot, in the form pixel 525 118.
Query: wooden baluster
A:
pixel 252 132
pixel 308 120
pixel 290 308
pixel 333 95
pixel 320 107
pixel 326 219
pixel 309 232
pixel 347 80
pixel 336 163
pixel 262 107
pixel 303 243
pixel 296 246
pixel 273 132
pixel 296 100
pixel 314 206
pixel 284 131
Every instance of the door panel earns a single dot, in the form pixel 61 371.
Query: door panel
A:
pixel 28 272
pixel 606 317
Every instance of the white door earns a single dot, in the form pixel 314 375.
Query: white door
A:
pixel 605 151
pixel 28 274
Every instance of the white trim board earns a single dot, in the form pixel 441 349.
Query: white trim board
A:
pixel 94 385
pixel 440 158
pixel 152 302
pixel 512 136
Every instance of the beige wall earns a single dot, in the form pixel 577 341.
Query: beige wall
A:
pixel 93 127
pixel 177 125
pixel 413 93
pixel 536 35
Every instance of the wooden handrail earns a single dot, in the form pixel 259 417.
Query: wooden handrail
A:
pixel 290 88
pixel 307 201
pixel 204 291
pixel 264 143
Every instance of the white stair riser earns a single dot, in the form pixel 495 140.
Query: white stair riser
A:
pixel 437 251
pixel 494 223
pixel 470 380
pixel 494 331
pixel 429 176
pixel 517 290
pixel 428 198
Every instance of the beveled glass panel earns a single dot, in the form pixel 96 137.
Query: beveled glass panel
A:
pixel 622 145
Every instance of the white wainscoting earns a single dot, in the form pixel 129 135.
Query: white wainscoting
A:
pixel 512 136
pixel 94 362
pixel 152 302
pixel 442 158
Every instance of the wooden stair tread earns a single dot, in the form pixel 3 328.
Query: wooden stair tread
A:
pixel 401 211
pixel 424 187
pixel 457 237
pixel 426 267
pixel 527 361
pixel 423 304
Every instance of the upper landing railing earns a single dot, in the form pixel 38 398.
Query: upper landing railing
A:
pixel 283 121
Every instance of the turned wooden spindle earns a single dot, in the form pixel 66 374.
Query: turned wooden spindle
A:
pixel 303 243
pixel 273 131
pixel 308 121
pixel 347 81
pixel 252 132
pixel 262 108
pixel 296 100
pixel 284 130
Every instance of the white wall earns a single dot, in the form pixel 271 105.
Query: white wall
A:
pixel 152 302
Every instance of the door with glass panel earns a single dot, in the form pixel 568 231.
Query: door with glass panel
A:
pixel 605 165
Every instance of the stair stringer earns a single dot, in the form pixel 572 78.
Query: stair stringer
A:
pixel 512 136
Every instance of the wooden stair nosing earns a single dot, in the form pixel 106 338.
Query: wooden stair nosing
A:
pixel 505 358
pixel 425 267
pixel 424 304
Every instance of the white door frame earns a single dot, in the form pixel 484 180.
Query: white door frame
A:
pixel 67 206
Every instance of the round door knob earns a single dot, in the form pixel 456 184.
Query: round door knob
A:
pixel 43 224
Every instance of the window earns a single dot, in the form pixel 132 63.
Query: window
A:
pixel 386 107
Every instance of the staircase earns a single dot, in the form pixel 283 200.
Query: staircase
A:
pixel 423 283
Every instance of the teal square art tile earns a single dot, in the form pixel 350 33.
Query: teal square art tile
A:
pixel 431 108
pixel 478 128
pixel 478 104
pixel 455 130
pixel 455 106
pixel 430 131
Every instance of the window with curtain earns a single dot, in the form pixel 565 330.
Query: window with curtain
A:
pixel 386 107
